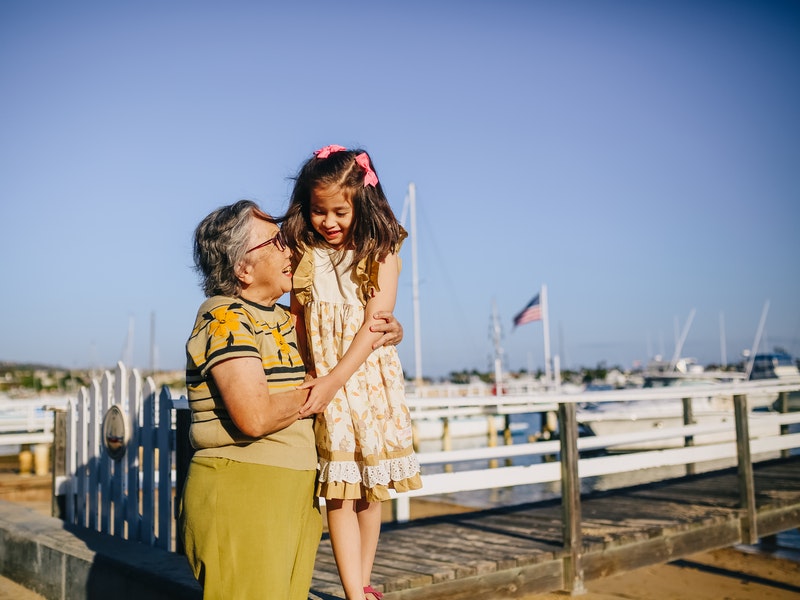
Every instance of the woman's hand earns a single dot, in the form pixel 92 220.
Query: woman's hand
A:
pixel 323 389
pixel 390 327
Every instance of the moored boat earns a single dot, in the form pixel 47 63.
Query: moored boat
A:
pixel 779 366
pixel 610 418
pixel 427 429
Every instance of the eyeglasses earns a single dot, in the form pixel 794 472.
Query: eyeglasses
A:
pixel 278 240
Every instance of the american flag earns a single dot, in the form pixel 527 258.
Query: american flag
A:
pixel 532 312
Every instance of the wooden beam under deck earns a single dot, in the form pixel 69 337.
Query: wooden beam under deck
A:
pixel 513 551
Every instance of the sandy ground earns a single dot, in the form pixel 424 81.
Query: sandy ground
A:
pixel 728 574
pixel 10 590
pixel 741 573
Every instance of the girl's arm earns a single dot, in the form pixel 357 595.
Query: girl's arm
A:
pixel 245 393
pixel 324 388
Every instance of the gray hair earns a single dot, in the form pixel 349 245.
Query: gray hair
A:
pixel 220 245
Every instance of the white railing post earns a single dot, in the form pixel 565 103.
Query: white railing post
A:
pixel 148 463
pixel 102 493
pixel 401 509
pixel 119 479
pixel 87 460
pixel 132 516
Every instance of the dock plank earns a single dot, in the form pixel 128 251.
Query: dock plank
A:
pixel 509 552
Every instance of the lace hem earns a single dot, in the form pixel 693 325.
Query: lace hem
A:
pixel 386 471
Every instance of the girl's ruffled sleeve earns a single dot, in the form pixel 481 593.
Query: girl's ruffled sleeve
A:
pixel 366 271
pixel 302 278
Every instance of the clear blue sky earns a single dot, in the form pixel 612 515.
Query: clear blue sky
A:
pixel 641 159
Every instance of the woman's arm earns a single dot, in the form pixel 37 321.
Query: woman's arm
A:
pixel 324 388
pixel 245 393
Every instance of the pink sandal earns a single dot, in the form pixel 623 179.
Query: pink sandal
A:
pixel 370 590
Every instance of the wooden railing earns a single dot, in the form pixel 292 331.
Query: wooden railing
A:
pixel 458 481
pixel 571 468
pixel 28 421
pixel 133 497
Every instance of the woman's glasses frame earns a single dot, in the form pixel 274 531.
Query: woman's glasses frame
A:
pixel 278 240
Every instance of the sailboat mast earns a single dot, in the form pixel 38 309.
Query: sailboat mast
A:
pixel 680 341
pixel 412 203
pixel 127 350
pixel 757 340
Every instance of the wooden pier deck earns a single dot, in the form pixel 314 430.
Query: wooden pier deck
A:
pixel 514 551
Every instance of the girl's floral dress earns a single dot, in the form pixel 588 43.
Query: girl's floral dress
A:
pixel 363 438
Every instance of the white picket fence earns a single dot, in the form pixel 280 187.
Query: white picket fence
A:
pixel 132 497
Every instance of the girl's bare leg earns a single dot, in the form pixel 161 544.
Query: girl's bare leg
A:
pixel 343 526
pixel 369 522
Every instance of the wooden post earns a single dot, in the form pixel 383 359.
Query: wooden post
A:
pixel 783 407
pixel 571 498
pixel 747 493
pixel 25 460
pixel 492 438
pixel 508 437
pixel 447 443
pixel 58 506
pixel 688 419
pixel 549 424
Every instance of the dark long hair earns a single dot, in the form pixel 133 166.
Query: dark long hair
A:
pixel 375 230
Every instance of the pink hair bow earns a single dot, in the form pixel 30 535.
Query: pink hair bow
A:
pixel 328 150
pixel 370 178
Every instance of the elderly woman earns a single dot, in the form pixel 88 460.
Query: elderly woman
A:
pixel 248 517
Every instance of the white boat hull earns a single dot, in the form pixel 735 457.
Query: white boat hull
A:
pixel 614 418
pixel 461 427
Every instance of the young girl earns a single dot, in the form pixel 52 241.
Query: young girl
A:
pixel 345 240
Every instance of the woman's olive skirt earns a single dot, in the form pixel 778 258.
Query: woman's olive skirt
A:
pixel 250 531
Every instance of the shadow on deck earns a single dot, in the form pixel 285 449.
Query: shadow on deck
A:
pixel 513 551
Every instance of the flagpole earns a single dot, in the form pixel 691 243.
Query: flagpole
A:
pixel 498 350
pixel 546 333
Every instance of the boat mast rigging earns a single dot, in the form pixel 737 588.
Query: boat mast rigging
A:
pixel 680 341
pixel 410 208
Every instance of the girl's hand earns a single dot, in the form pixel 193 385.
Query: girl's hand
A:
pixel 323 389
pixel 390 327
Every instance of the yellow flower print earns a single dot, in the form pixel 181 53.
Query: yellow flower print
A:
pixel 283 346
pixel 284 350
pixel 224 322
